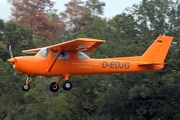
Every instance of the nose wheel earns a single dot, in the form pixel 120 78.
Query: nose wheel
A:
pixel 26 86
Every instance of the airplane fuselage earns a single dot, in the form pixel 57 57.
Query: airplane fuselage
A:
pixel 37 65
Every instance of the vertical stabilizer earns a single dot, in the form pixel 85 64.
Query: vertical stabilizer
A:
pixel 158 50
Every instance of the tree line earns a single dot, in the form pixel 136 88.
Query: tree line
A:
pixel 127 96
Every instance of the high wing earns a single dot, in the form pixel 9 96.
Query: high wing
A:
pixel 80 44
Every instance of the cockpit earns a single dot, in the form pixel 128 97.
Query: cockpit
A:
pixel 63 55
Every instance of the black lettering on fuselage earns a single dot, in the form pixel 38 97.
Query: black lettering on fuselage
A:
pixel 116 65
pixel 127 65
pixel 105 64
pixel 112 64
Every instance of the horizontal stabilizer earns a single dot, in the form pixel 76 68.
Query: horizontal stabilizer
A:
pixel 144 64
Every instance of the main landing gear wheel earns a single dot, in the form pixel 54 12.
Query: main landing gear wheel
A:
pixel 53 87
pixel 67 85
pixel 25 87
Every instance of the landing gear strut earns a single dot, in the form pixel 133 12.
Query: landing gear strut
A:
pixel 26 86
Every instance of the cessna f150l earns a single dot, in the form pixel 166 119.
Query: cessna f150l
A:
pixel 68 59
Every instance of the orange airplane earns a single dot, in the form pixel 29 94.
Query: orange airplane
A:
pixel 68 59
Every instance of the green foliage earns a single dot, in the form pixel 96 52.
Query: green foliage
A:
pixel 18 37
pixel 95 6
pixel 4 54
pixel 1 29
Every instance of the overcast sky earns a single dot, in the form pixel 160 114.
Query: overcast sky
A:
pixel 112 8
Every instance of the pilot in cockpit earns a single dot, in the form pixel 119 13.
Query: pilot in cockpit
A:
pixel 64 56
pixel 61 56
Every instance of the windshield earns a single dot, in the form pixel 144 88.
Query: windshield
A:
pixel 43 52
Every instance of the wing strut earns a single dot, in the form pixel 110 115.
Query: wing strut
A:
pixel 52 64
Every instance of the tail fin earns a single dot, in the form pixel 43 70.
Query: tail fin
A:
pixel 157 52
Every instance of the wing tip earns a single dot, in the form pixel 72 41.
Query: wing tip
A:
pixel 31 51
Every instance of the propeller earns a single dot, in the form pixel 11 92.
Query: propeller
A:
pixel 12 59
pixel 10 52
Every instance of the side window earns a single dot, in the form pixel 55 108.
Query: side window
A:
pixel 81 55
pixel 62 56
